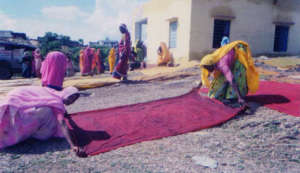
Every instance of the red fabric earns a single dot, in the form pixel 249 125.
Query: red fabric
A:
pixel 108 129
pixel 282 97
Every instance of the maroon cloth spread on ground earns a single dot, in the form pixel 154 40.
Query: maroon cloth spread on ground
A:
pixel 283 97
pixel 104 130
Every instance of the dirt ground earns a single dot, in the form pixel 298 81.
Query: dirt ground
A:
pixel 261 140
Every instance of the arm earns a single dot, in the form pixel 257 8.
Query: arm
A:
pixel 78 150
pixel 65 130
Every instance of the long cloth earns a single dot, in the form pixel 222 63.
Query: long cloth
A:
pixel 104 130
pixel 282 97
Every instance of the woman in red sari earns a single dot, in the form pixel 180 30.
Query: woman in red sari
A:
pixel 88 55
pixel 124 53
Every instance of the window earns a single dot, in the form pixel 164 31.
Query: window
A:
pixel 281 38
pixel 221 29
pixel 140 30
pixel 173 34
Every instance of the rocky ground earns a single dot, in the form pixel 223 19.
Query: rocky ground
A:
pixel 261 140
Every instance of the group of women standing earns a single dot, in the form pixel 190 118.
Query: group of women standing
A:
pixel 90 60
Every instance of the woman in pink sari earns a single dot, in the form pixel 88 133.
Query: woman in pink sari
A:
pixel 53 70
pixel 124 53
pixel 35 112
pixel 88 56
pixel 37 63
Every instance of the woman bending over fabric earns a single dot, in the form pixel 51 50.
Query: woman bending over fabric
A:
pixel 35 112
pixel 233 71
pixel 124 53
pixel 53 70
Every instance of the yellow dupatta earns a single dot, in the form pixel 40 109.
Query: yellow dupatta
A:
pixel 112 59
pixel 244 58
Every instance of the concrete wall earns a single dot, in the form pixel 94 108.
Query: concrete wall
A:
pixel 159 13
pixel 253 23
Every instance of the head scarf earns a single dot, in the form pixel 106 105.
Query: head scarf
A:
pixel 53 69
pixel 124 27
pixel 225 41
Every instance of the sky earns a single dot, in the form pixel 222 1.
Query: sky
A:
pixel 91 20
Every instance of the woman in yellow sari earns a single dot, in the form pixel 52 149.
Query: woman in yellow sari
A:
pixel 112 59
pixel 165 57
pixel 233 70
pixel 81 60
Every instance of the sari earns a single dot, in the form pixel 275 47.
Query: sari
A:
pixel 97 63
pixel 37 63
pixel 124 52
pixel 88 56
pixel 32 112
pixel 165 58
pixel 81 60
pixel 232 62
pixel 53 70
pixel 112 59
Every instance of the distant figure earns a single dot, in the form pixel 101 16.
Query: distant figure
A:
pixel 124 53
pixel 35 112
pixel 97 62
pixel 88 57
pixel 225 40
pixel 165 57
pixel 112 59
pixel 81 54
pixel 53 70
pixel 70 68
pixel 141 53
pixel 37 63
pixel 134 63
pixel 117 55
pixel 27 65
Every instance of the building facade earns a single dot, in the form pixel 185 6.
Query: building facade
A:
pixel 193 28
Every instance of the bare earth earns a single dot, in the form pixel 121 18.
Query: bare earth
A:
pixel 259 141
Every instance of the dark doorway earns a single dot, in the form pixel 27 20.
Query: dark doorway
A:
pixel 221 29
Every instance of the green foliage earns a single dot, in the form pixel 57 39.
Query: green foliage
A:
pixel 54 42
